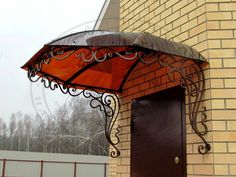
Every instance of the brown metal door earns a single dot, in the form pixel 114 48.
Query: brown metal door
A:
pixel 158 135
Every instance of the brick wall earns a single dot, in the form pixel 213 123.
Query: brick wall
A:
pixel 209 26
pixel 221 35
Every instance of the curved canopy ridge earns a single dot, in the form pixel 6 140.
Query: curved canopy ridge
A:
pixel 144 40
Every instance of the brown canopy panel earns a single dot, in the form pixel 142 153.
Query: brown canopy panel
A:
pixel 100 59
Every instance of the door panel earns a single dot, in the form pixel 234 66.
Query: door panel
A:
pixel 157 135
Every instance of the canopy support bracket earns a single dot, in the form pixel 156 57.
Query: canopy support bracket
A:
pixel 191 77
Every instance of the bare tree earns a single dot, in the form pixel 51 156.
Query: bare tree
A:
pixel 27 130
pixel 3 134
pixel 74 128
pixel 12 128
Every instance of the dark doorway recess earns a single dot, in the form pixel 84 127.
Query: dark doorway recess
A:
pixel 158 135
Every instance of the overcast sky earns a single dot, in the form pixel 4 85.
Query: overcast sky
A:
pixel 25 26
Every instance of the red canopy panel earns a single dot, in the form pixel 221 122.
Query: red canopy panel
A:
pixel 100 59
pixel 109 74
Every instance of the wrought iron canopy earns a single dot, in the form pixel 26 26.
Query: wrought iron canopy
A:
pixel 109 56
pixel 101 61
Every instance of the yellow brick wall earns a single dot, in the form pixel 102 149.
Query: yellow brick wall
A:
pixel 221 27
pixel 209 26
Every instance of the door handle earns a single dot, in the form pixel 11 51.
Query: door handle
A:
pixel 176 160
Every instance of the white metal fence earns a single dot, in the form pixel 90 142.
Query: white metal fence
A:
pixel 24 164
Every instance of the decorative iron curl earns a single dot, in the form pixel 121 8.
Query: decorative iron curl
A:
pixel 59 53
pixel 98 55
pixel 193 80
pixel 53 84
pixel 90 54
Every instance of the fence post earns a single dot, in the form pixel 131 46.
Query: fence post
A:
pixel 41 171
pixel 105 170
pixel 3 167
pixel 75 169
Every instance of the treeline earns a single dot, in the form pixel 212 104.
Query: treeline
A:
pixel 73 128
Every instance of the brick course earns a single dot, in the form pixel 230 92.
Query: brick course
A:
pixel 209 26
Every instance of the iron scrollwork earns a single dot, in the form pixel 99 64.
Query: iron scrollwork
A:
pixel 88 54
pixel 191 78
pixel 109 105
